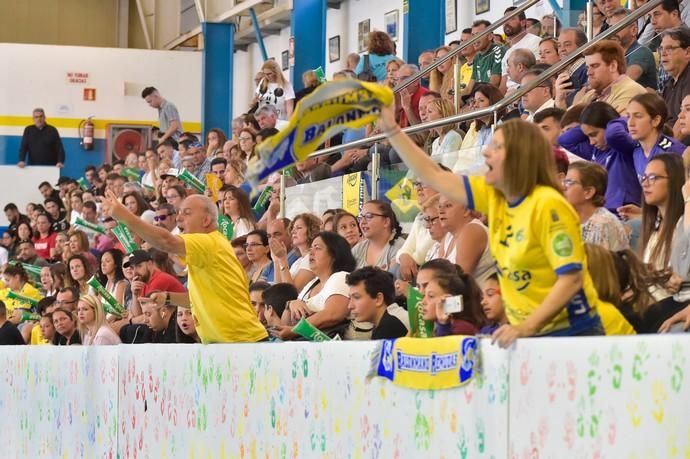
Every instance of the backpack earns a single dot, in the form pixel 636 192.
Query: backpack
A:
pixel 367 73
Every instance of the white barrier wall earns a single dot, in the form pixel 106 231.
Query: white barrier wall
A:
pixel 599 397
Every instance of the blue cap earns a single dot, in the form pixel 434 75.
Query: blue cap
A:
pixel 196 145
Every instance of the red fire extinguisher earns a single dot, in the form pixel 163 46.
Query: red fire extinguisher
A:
pixel 86 129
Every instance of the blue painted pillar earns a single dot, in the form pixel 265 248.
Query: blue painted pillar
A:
pixel 424 27
pixel 216 76
pixel 309 30
pixel 571 11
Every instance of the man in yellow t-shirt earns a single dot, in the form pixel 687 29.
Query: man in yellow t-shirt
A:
pixel 218 287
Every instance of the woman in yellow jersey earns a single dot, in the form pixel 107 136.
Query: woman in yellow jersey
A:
pixel 534 234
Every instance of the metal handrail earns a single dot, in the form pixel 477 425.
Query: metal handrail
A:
pixel 512 97
pixel 418 76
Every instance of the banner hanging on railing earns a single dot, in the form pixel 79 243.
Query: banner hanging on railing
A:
pixel 330 109
pixel 433 363
pixel 352 192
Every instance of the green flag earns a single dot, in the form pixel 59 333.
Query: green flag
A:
pixel 419 328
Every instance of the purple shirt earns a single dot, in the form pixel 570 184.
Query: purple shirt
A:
pixel 623 183
pixel 629 146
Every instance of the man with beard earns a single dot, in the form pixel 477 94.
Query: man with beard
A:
pixel 518 38
pixel 148 278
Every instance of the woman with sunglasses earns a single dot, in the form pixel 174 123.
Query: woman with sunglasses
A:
pixel 92 327
pixel 381 232
pixel 535 234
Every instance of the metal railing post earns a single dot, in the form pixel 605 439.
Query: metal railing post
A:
pixel 375 166
pixel 456 85
pixel 590 20
pixel 282 195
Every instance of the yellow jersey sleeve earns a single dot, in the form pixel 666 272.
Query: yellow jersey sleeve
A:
pixel 478 193
pixel 560 235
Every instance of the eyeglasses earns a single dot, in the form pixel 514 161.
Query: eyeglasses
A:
pixel 161 218
pixel 570 182
pixel 651 178
pixel 428 221
pixel 369 216
pixel 668 49
pixel 244 139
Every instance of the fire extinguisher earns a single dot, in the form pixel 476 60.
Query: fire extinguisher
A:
pixel 86 129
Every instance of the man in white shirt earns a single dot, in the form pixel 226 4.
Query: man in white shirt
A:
pixel 518 38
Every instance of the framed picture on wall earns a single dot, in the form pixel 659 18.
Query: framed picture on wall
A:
pixel 390 22
pixel 285 60
pixel 451 16
pixel 334 49
pixel 363 29
pixel 481 6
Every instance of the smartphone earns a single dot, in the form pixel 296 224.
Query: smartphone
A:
pixel 453 304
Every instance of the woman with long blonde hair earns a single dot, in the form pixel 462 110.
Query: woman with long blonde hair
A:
pixel 274 89
pixel 92 326
pixel 441 78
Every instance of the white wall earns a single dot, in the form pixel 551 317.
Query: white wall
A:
pixel 612 397
pixel 466 16
pixel 37 78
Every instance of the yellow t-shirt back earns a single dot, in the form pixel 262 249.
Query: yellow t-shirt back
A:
pixel 533 241
pixel 27 290
pixel 218 291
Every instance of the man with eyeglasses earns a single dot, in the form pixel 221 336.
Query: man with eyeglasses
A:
pixel 42 143
pixel 67 298
pixel 675 56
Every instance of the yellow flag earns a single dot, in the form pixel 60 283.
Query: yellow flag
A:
pixel 330 109
pixel 214 183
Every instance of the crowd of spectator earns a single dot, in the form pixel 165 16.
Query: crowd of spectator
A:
pixel 615 127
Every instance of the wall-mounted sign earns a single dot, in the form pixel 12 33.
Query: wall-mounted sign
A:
pixel 90 94
pixel 77 77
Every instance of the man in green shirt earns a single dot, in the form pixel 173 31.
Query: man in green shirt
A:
pixel 486 67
